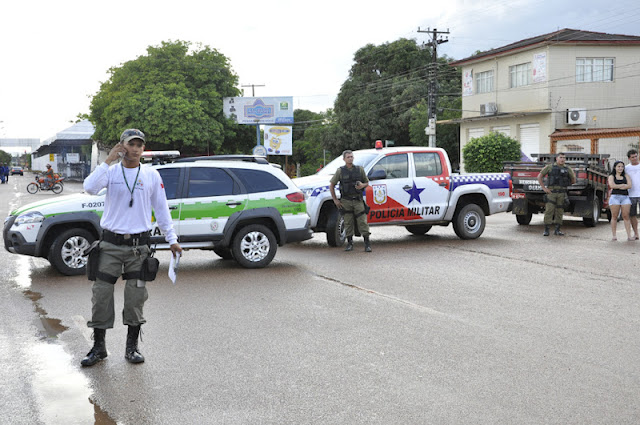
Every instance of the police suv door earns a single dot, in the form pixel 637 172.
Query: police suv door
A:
pixel 171 178
pixel 432 182
pixel 211 196
pixel 388 198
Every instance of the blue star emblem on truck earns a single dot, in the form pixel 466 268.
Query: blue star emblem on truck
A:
pixel 414 193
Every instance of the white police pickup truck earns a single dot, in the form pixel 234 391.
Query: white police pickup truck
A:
pixel 412 187
pixel 240 207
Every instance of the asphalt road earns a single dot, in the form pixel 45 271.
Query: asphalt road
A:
pixel 511 328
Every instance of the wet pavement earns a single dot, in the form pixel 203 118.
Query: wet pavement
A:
pixel 40 382
pixel 510 328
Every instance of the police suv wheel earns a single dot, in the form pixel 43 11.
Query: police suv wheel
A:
pixel 66 251
pixel 418 229
pixel 254 246
pixel 469 222
pixel 336 233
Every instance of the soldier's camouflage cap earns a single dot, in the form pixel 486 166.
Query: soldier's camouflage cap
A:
pixel 130 134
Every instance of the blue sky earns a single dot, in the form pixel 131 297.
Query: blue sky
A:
pixel 55 54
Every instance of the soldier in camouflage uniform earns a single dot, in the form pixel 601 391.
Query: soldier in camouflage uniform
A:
pixel 561 176
pixel 353 180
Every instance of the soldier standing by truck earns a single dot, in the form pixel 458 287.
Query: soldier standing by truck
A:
pixel 352 180
pixel 560 178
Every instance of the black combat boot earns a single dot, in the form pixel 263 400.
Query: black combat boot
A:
pixel 99 350
pixel 349 246
pixel 546 230
pixel 367 244
pixel 558 232
pixel 131 352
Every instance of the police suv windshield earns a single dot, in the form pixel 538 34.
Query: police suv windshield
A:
pixel 359 158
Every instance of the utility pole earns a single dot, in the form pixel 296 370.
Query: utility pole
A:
pixel 253 94
pixel 253 88
pixel 433 81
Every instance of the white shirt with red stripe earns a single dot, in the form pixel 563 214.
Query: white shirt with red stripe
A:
pixel 148 193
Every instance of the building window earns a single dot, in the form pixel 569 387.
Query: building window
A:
pixel 484 82
pixel 594 69
pixel 520 74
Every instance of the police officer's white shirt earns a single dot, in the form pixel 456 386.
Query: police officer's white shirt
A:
pixel 633 171
pixel 148 192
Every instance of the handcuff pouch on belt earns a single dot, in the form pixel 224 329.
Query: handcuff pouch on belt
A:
pixel 150 266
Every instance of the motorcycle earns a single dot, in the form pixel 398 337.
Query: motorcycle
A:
pixel 57 185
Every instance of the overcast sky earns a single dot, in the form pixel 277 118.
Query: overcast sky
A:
pixel 55 54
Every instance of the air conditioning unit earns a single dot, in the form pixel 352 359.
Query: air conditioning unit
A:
pixel 576 116
pixel 488 108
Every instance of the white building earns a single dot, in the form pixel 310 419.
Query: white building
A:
pixel 569 90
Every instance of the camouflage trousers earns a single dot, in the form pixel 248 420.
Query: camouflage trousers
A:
pixel 554 208
pixel 353 211
pixel 114 261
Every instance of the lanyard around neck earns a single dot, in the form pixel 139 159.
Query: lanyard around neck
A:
pixel 131 189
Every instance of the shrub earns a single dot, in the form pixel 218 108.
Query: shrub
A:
pixel 487 153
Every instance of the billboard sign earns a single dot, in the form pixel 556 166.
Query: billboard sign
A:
pixel 278 139
pixel 259 110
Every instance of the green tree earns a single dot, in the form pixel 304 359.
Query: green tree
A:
pixel 309 149
pixel 5 158
pixel 385 97
pixel 174 94
pixel 25 160
pixel 487 153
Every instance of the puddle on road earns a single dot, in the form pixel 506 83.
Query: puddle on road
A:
pixel 61 389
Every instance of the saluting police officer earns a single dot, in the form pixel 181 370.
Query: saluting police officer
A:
pixel 353 180
pixel 561 176
pixel 132 190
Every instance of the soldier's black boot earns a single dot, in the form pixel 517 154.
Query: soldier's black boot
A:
pixel 349 246
pixel 367 244
pixel 131 352
pixel 99 350
pixel 558 232
pixel 546 230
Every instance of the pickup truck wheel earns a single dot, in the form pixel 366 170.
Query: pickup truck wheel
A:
pixel 469 222
pixel 32 188
pixel 418 229
pixel 254 246
pixel 593 221
pixel 336 233
pixel 524 219
pixel 66 251
pixel 224 253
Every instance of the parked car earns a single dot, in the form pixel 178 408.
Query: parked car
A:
pixel 17 170
pixel 240 208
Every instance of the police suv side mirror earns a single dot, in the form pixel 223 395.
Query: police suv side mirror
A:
pixel 378 174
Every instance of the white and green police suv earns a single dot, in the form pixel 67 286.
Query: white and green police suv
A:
pixel 242 208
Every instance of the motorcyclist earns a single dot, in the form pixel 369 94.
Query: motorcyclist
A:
pixel 48 176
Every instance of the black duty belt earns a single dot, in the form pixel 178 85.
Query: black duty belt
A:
pixel 128 239
pixel 352 198
pixel 558 190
